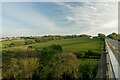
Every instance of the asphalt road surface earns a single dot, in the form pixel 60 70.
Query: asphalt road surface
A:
pixel 115 47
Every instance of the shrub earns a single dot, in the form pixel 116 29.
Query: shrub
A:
pixel 85 72
pixel 79 54
pixel 47 55
pixel 64 66
pixel 29 41
pixel 92 53
pixel 11 44
pixel 56 48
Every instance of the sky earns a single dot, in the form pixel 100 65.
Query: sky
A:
pixel 58 18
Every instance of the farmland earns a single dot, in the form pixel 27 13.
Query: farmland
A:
pixel 78 52
pixel 69 45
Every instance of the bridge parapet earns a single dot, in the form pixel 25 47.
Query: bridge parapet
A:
pixel 109 67
pixel 113 65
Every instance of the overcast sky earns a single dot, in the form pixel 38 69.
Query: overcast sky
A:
pixel 48 18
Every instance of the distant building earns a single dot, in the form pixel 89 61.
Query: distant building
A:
pixel 9 38
pixel 91 37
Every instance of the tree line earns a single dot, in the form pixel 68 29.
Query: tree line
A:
pixel 33 39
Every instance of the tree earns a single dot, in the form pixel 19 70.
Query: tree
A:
pixel 102 36
pixel 113 35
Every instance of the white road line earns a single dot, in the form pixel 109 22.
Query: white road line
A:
pixel 113 47
pixel 114 62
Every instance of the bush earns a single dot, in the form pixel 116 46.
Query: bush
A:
pixel 56 48
pixel 92 53
pixel 65 67
pixel 29 41
pixel 88 54
pixel 8 54
pixel 79 54
pixel 11 44
pixel 46 57
pixel 85 72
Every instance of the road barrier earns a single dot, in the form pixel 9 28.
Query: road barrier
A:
pixel 109 67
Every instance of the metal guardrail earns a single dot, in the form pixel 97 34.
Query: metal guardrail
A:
pixel 109 67
pixel 113 64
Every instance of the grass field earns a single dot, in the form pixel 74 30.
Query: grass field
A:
pixel 69 45
pixel 17 42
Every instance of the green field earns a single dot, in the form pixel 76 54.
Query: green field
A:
pixel 69 45
pixel 67 57
pixel 18 42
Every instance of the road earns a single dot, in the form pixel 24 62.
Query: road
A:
pixel 109 63
pixel 115 47
pixel 114 55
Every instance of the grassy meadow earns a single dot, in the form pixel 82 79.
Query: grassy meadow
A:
pixel 69 45
pixel 81 53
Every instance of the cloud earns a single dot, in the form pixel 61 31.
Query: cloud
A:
pixel 60 0
pixel 107 28
pixel 74 18
pixel 111 24
pixel 95 15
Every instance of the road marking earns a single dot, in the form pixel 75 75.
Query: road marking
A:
pixel 117 51
pixel 113 47
pixel 113 61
